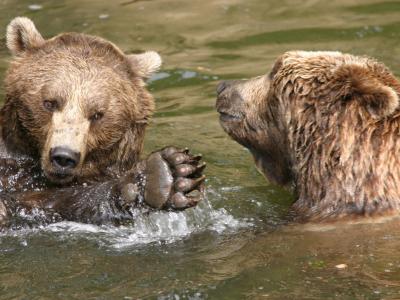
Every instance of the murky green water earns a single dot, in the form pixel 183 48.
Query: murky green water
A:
pixel 234 247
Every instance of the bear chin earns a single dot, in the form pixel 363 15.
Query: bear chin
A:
pixel 59 178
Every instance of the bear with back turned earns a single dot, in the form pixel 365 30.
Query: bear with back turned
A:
pixel 72 131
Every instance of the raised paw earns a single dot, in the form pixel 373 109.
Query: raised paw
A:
pixel 174 179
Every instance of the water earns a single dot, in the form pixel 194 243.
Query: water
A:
pixel 236 245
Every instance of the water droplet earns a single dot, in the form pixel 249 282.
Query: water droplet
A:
pixel 104 16
pixel 341 266
pixel 35 7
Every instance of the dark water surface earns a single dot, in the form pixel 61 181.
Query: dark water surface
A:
pixel 234 246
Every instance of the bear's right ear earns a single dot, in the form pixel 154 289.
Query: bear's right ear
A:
pixel 22 35
pixel 361 84
pixel 145 64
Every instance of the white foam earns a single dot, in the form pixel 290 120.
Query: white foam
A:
pixel 159 226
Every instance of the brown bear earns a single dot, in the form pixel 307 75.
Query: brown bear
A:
pixel 326 123
pixel 72 129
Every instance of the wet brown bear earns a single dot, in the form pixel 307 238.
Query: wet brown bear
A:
pixel 326 123
pixel 74 116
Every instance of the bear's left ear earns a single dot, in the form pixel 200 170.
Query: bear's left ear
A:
pixel 362 85
pixel 145 64
pixel 22 35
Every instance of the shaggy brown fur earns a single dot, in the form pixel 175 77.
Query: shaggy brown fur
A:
pixel 327 123
pixel 76 91
pixel 75 114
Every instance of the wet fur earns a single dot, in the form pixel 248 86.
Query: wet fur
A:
pixel 83 75
pixel 328 125
pixel 117 141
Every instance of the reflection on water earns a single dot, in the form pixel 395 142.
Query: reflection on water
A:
pixel 237 245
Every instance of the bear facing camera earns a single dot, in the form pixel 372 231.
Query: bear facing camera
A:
pixel 72 130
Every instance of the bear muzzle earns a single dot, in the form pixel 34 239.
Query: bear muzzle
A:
pixel 63 158
pixel 229 103
pixel 65 150
pixel 63 164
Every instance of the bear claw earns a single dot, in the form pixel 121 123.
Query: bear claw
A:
pixel 184 170
pixel 180 201
pixel 188 184
pixel 171 175
pixel 178 158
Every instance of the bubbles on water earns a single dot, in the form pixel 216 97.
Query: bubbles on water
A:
pixel 368 30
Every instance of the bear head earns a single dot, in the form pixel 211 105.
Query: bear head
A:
pixel 75 102
pixel 321 122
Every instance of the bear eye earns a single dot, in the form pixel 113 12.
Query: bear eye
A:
pixel 50 105
pixel 96 116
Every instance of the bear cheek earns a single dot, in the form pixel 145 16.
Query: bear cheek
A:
pixel 36 123
pixel 105 135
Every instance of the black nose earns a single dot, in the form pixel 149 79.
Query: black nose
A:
pixel 222 86
pixel 62 157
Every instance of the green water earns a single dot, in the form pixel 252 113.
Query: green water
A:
pixel 235 246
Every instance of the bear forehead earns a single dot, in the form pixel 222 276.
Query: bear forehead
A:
pixel 314 59
pixel 82 47
pixel 94 44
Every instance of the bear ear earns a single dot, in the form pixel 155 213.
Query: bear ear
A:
pixel 381 102
pixel 360 84
pixel 22 35
pixel 145 64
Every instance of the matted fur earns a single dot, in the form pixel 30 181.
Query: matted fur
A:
pixel 327 123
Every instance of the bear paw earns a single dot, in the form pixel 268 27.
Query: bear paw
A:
pixel 172 177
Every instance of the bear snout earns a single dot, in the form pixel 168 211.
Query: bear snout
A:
pixel 222 86
pixel 229 102
pixel 64 159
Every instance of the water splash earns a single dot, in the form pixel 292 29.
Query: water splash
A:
pixel 159 226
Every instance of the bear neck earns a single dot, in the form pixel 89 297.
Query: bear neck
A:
pixel 347 166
